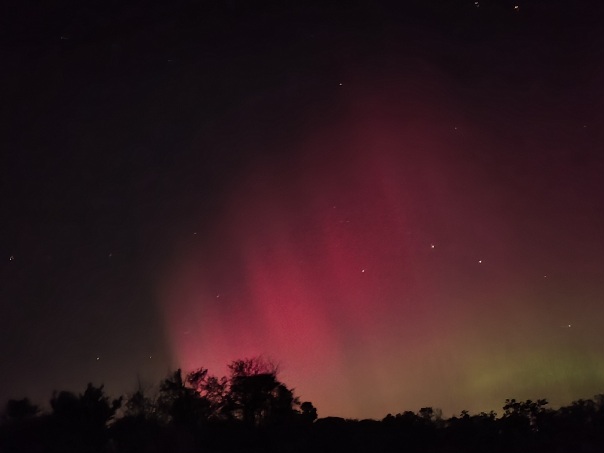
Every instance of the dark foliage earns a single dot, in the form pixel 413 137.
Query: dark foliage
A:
pixel 76 423
pixel 250 410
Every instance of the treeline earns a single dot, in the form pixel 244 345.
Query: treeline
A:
pixel 250 410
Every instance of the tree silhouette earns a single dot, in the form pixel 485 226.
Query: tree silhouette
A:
pixel 255 396
pixel 139 405
pixel 524 415
pixel 79 422
pixel 252 410
pixel 214 390
pixel 181 403
pixel 20 409
pixel 308 412
pixel 92 407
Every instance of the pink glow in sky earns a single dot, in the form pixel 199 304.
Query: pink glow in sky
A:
pixel 401 203
pixel 385 262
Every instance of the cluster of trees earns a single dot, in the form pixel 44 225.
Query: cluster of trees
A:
pixel 187 413
pixel 250 410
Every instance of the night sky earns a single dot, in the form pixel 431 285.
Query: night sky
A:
pixel 401 204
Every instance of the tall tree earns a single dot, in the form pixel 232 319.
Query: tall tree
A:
pixel 181 403
pixel 256 396
pixel 214 390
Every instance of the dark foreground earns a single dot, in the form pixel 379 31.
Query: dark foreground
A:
pixel 252 411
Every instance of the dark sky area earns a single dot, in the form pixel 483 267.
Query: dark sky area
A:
pixel 401 203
